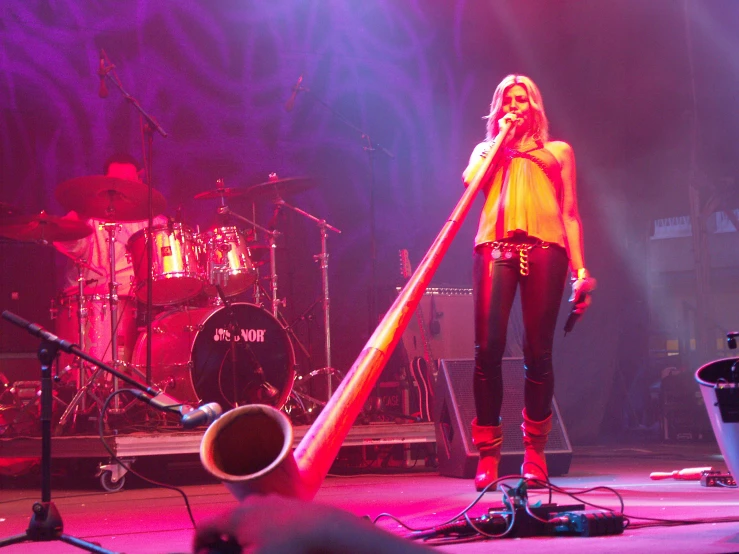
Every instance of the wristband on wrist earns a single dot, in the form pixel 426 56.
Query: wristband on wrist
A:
pixel 581 273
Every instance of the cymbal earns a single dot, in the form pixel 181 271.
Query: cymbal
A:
pixel 78 261
pixel 277 188
pixel 220 193
pixel 109 198
pixel 44 228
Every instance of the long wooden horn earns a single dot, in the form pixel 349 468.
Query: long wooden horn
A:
pixel 249 447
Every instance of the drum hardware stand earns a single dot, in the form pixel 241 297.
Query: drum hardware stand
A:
pixel 324 227
pixel 272 236
pixel 79 398
pixel 81 320
pixel 258 291
pixel 301 397
pixel 111 229
pixel 148 126
pixel 78 403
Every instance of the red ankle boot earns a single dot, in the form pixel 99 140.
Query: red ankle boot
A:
pixel 535 435
pixel 488 439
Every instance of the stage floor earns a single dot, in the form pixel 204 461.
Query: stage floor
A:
pixel 142 519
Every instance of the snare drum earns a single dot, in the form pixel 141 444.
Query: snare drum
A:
pixel 227 261
pixel 194 352
pixel 97 328
pixel 176 275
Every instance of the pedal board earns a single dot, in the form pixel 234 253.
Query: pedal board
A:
pixel 717 479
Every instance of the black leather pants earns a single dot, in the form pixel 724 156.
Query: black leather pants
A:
pixel 496 278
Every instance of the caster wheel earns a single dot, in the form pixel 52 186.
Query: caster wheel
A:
pixel 106 480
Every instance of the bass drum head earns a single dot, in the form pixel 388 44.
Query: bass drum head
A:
pixel 192 358
pixel 242 355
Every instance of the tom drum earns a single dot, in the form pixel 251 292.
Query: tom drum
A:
pixel 176 274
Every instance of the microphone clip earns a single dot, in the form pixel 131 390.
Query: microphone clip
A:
pixel 105 69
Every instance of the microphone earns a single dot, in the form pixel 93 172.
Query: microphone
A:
pixel 516 121
pixel 582 296
pixel 291 101
pixel 275 214
pixel 270 389
pixel 571 320
pixel 102 72
pixel 189 418
pixel 574 315
pixel 509 124
pixel 204 415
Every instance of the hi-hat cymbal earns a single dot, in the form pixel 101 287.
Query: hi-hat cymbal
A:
pixel 277 188
pixel 77 260
pixel 44 228
pixel 109 198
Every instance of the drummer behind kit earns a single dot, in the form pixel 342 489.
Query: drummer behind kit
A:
pixel 206 348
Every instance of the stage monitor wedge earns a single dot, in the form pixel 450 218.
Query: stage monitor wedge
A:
pixel 455 409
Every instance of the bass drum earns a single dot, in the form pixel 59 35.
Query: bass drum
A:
pixel 198 358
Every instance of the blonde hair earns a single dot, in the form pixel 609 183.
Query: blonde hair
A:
pixel 540 124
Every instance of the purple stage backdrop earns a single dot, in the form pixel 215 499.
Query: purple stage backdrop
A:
pixel 412 77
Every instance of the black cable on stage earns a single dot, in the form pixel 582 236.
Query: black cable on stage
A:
pixel 462 522
pixel 116 459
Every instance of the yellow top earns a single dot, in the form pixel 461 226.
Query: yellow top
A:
pixel 523 196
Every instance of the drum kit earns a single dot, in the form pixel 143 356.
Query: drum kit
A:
pixel 204 345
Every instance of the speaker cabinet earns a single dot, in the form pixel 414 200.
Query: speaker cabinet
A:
pixel 455 409
pixel 444 325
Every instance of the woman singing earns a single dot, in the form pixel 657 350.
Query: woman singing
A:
pixel 529 234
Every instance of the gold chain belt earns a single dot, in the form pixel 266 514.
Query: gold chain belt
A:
pixel 502 249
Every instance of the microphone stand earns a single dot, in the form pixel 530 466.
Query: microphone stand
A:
pixel 148 126
pixel 370 147
pixel 233 330
pixel 275 302
pixel 46 522
pixel 256 366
